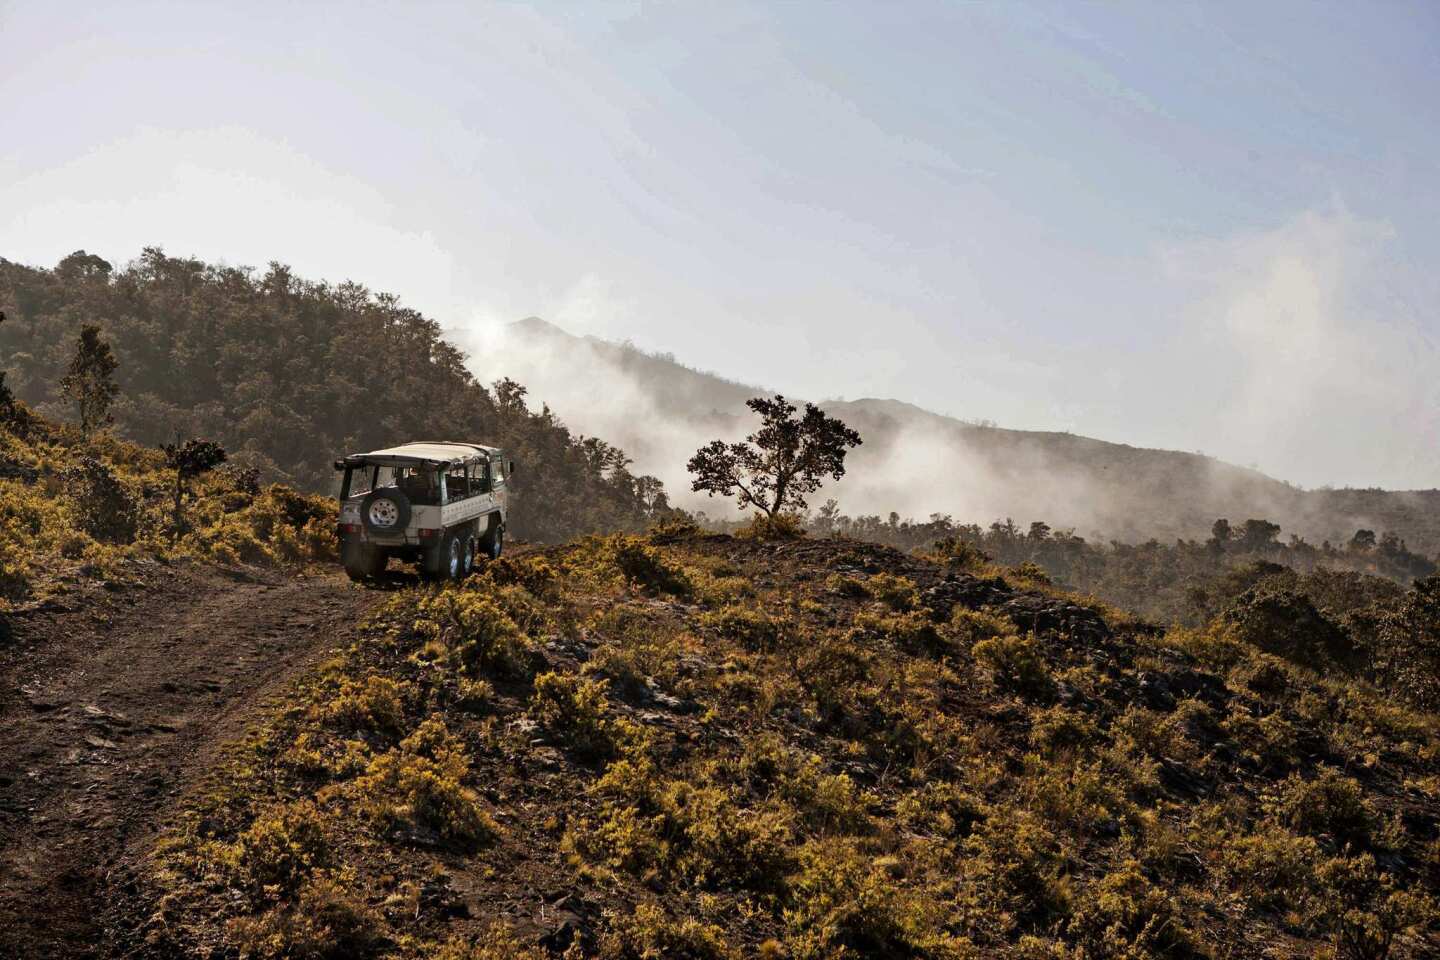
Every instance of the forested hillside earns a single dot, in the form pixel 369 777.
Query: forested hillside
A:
pixel 289 374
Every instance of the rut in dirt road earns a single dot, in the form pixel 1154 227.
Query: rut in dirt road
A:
pixel 109 707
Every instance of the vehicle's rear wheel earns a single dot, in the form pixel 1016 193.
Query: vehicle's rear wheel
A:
pixel 363 562
pixel 467 555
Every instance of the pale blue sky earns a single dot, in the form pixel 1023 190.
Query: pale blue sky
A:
pixel 1203 226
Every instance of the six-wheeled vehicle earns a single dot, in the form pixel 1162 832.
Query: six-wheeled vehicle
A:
pixel 438 505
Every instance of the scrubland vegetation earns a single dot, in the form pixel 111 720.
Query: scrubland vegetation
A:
pixel 75 510
pixel 690 745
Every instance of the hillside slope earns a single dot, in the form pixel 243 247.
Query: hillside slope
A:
pixel 916 462
pixel 707 747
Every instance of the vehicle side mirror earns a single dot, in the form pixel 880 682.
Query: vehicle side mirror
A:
pixel 509 468
pixel 339 464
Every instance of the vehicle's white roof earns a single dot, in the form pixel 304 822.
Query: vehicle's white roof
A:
pixel 434 451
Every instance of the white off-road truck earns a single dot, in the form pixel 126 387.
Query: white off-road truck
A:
pixel 438 505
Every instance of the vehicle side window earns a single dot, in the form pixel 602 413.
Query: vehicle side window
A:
pixel 362 480
pixel 479 481
pixel 457 487
pixel 497 468
pixel 419 485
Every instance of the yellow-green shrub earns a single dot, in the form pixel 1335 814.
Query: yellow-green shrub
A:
pixel 327 921
pixel 649 933
pixel 572 710
pixel 843 899
pixel 375 704
pixel 417 786
pixel 753 629
pixel 896 592
pixel 1016 663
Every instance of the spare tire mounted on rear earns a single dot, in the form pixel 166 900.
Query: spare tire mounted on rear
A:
pixel 385 511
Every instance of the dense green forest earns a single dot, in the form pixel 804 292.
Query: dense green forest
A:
pixel 289 374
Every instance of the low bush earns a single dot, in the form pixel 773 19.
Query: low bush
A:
pixel 1273 868
pixel 649 933
pixel 913 632
pixel 476 628
pixel 845 901
pixel 415 790
pixel 1328 804
pixel 780 526
pixel 645 569
pixel 1125 915
pixel 106 507
pixel 1016 663
pixel 751 628
pixel 278 851
pixel 572 710
pixel 897 593
pixel 374 705
pixel 846 586
pixel 1365 911
pixel 496 943
pixel 327 921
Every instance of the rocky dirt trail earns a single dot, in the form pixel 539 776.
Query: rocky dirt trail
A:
pixel 111 703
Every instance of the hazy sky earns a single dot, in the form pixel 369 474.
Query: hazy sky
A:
pixel 1203 226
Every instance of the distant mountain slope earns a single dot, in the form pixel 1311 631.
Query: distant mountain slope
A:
pixel 916 462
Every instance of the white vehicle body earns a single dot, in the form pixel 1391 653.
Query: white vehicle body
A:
pixel 439 504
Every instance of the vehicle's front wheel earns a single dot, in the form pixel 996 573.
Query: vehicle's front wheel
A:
pixel 494 542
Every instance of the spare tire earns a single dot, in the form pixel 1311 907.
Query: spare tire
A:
pixel 385 512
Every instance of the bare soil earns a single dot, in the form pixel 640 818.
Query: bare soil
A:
pixel 111 703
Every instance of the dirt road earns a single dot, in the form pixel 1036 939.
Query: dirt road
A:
pixel 110 703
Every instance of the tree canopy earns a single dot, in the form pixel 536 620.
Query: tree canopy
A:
pixel 90 383
pixel 778 466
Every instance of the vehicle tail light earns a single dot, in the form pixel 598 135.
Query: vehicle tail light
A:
pixel 426 534
pixel 349 528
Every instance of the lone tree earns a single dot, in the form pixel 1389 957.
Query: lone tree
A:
pixel 90 384
pixel 777 466
pixel 189 460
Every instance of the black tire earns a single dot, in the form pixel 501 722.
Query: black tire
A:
pixel 467 555
pixel 363 562
pixel 385 511
pixel 493 543
pixel 452 558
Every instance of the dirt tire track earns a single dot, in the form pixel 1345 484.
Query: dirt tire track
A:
pixel 111 705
